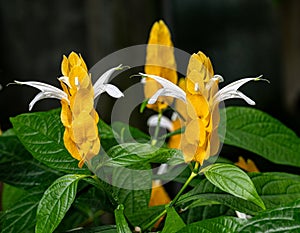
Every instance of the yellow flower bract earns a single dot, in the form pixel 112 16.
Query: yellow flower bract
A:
pixel 200 139
pixel 79 117
pixel 248 165
pixel 160 61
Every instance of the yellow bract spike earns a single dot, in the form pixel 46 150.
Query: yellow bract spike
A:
pixel 79 116
pixel 200 139
pixel 160 61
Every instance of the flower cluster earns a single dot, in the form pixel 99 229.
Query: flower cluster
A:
pixel 78 115
pixel 197 103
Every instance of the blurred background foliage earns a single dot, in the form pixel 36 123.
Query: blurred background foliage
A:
pixel 242 38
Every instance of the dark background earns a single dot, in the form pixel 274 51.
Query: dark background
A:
pixel 242 38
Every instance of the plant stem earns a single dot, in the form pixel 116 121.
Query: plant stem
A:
pixel 154 140
pixel 150 224
pixel 193 174
pixel 173 202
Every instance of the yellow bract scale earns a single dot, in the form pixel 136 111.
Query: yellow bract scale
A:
pixel 248 165
pixel 79 117
pixel 174 141
pixel 160 61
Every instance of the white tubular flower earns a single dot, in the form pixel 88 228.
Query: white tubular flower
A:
pixel 101 84
pixel 228 92
pixel 231 90
pixel 47 91
pixel 168 89
pixel 165 122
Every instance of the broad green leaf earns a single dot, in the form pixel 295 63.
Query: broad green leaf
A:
pixel 129 154
pixel 122 225
pixel 258 132
pixel 275 189
pixel 74 218
pixel 173 221
pixel 220 225
pixel 205 194
pixel 127 133
pixel 42 135
pixel 108 138
pixel 55 202
pixel 9 132
pixel 141 217
pixel 132 188
pixel 19 168
pixel 101 229
pixel 197 213
pixel 233 180
pixel 10 195
pixel 281 219
pixel 11 149
pixel 27 174
pixel 22 215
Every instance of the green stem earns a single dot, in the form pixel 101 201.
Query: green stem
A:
pixel 154 140
pixel 150 224
pixel 173 202
pixel 193 174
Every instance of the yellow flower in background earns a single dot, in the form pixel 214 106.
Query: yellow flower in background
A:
pixel 199 106
pixel 248 165
pixel 160 61
pixel 78 115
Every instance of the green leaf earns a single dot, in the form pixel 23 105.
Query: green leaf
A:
pixel 128 133
pixel 27 174
pixel 220 225
pixel 141 217
pixel 233 180
pixel 260 133
pixel 173 221
pixel 11 149
pixel 10 195
pixel 281 219
pixel 101 229
pixel 122 226
pixel 19 168
pixel 205 193
pixel 132 188
pixel 108 138
pixel 55 202
pixel 21 216
pixel 198 213
pixel 42 135
pixel 129 154
pixel 275 189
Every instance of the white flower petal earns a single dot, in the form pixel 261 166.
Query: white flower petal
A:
pixel 231 91
pixel 242 215
pixel 164 122
pixel 154 98
pixel 163 168
pixel 168 89
pixel 103 79
pixel 47 91
pixel 65 80
pixel 113 91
